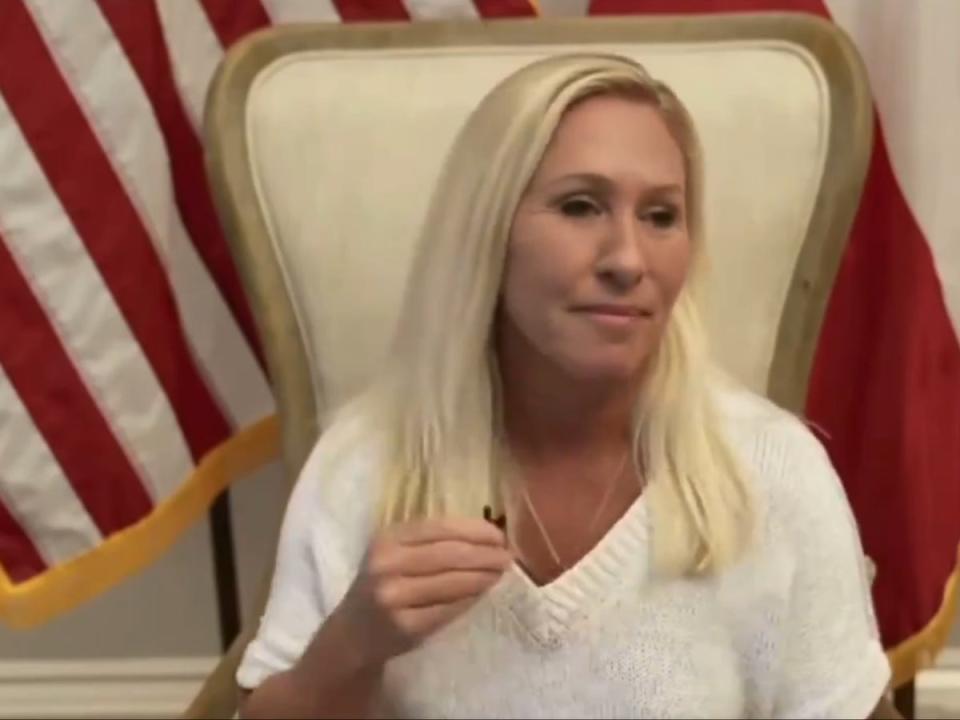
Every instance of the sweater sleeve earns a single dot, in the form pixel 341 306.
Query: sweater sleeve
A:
pixel 833 664
pixel 294 608
pixel 320 546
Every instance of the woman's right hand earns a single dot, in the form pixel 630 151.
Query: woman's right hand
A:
pixel 415 579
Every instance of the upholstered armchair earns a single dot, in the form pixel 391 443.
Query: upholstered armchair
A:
pixel 324 142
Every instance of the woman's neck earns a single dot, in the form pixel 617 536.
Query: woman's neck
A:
pixel 548 414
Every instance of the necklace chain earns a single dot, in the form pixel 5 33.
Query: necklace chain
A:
pixel 608 493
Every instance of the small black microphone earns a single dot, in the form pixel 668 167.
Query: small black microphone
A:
pixel 500 522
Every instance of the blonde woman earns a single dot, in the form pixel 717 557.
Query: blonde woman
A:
pixel 657 543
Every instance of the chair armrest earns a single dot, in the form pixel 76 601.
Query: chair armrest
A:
pixel 218 696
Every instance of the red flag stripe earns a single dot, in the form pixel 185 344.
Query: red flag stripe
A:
pixel 887 341
pixel 696 7
pixel 232 19
pixel 137 28
pixel 19 557
pixel 113 233
pixel 371 10
pixel 504 8
pixel 62 408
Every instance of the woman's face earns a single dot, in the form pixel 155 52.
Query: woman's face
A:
pixel 599 247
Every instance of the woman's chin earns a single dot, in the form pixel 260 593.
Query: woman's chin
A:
pixel 604 371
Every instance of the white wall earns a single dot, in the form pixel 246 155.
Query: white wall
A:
pixel 169 609
pixel 142 648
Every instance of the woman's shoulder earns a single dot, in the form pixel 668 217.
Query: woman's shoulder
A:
pixel 338 486
pixel 758 426
pixel 802 496
pixel 782 452
pixel 808 557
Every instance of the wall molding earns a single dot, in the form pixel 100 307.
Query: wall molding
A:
pixel 127 688
pixel 162 687
pixel 950 658
pixel 945 673
pixel 938 689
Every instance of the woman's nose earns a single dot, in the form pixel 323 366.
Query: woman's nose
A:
pixel 623 260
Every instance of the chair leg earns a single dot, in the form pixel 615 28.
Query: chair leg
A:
pixel 225 570
pixel 217 698
pixel 905 699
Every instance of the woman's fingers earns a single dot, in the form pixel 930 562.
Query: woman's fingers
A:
pixel 442 556
pixel 420 622
pixel 471 530
pixel 429 590
pixel 419 576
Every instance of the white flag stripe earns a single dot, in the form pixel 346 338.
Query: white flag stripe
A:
pixel 440 9
pixel 287 11
pixel 194 52
pixel 118 109
pixel 563 8
pixel 62 275
pixel 910 51
pixel 35 490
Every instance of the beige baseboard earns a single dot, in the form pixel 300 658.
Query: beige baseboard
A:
pixel 938 689
pixel 162 687
pixel 134 688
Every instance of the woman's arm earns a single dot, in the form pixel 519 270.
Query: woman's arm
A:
pixel 415 578
pixel 832 662
pixel 329 681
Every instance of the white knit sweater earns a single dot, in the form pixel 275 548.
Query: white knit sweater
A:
pixel 789 632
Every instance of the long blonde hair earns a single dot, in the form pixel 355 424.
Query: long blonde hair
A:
pixel 437 402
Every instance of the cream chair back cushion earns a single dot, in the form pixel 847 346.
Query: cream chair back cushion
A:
pixel 345 147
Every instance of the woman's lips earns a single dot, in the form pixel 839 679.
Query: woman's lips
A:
pixel 614 316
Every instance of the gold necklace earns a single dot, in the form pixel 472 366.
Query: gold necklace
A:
pixel 608 493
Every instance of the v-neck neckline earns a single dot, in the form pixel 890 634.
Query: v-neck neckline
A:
pixel 549 612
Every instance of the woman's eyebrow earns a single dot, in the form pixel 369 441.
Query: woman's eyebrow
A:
pixel 602 183
pixel 594 180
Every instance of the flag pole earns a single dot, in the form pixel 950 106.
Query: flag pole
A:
pixel 225 570
pixel 904 698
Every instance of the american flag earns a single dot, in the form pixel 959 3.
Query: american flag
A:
pixel 127 353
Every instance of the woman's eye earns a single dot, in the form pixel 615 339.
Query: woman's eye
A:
pixel 663 217
pixel 579 207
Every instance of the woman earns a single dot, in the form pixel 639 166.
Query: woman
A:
pixel 672 546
